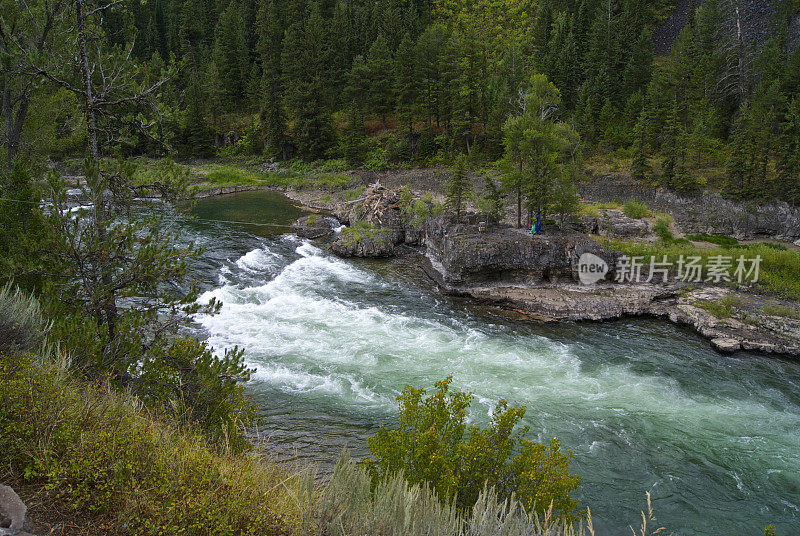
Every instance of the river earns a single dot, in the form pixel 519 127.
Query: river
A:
pixel 644 405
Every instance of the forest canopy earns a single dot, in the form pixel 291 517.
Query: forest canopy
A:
pixel 322 79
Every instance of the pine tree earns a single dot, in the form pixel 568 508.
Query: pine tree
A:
pixel 357 90
pixel 569 59
pixel 405 82
pixel 196 134
pixel 231 56
pixel 541 31
pixel 253 88
pixel 304 64
pixel 268 46
pixel 639 166
pixel 428 50
pixel 566 201
pixel 788 183
pixel 671 149
pixel 637 71
pixel 492 202
pixel 343 42
pixel 533 145
pixel 458 186
pixel 380 72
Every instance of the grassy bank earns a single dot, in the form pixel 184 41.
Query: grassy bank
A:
pixel 101 453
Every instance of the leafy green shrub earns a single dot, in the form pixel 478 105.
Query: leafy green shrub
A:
pixel 195 386
pixel 685 183
pixel 663 231
pixel 377 159
pixel 635 209
pixel 334 165
pixel 720 240
pixel 433 446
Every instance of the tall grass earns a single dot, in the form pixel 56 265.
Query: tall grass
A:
pixel 101 452
pixel 22 324
pixel 347 506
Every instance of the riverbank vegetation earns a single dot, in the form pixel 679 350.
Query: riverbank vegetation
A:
pixel 434 446
pixel 134 472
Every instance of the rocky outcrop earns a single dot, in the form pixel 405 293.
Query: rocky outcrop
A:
pixel 748 327
pixel 464 256
pixel 615 223
pixel 754 21
pixel 573 302
pixel 313 227
pixel 364 241
pixel 704 213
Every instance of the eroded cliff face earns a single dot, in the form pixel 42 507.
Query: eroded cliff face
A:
pixel 704 213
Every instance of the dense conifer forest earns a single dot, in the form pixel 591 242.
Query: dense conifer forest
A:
pixel 391 81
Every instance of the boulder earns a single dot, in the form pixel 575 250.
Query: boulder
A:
pixel 312 227
pixel 364 241
pixel 726 345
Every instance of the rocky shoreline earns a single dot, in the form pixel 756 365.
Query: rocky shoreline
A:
pixel 537 276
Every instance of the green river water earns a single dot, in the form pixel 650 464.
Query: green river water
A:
pixel 644 405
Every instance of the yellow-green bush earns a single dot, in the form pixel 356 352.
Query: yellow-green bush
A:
pixel 432 446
